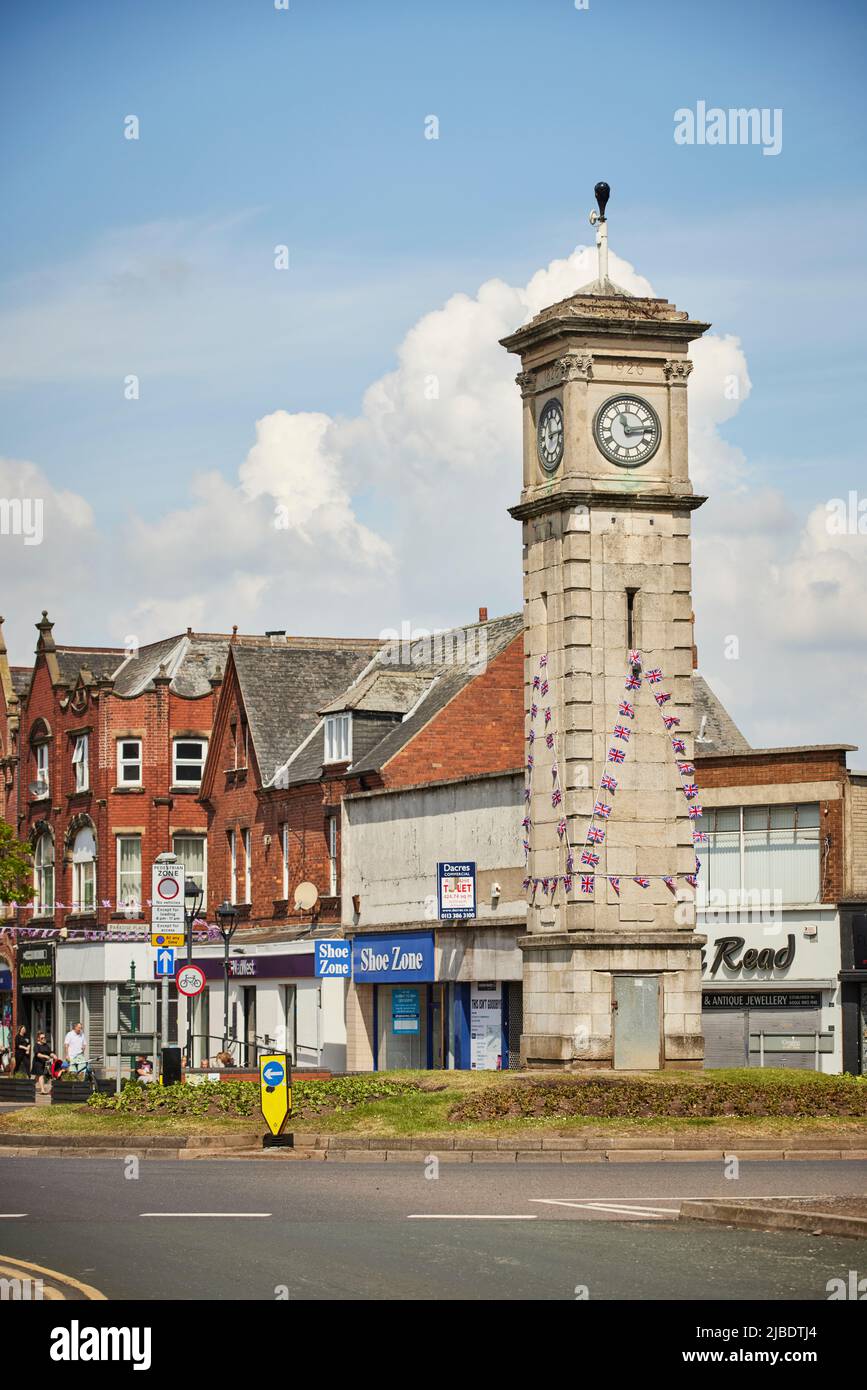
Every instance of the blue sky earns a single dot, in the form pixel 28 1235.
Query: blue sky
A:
pixel 261 126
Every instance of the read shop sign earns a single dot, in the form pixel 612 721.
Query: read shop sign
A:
pixel 397 956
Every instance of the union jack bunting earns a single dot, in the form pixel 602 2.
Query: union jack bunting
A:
pixel 556 797
pixel 553 885
pixel 662 697
pixel 106 902
pixel 690 789
pixel 621 732
pixel 531 737
pixel 699 837
pixel 544 687
pixel 530 761
pixel 527 793
pixel 587 883
pixel 686 769
pixel 616 755
pixel 626 709
pixel 692 880
pixel 609 783
pixel 549 740
pixel 544 884
pixel 670 721
pixel 654 676
pixel 534 710
pixel 588 857
pixel 633 682
pixel 595 834
pixel 696 812
pixel 614 880
pixel 567 883
pixel 526 884
pixel 547 717
pixel 670 884
pixel 526 822
pixel 678 745
pixel 543 660
pixel 561 828
pixel 697 862
pixel 526 844
pixel 602 809
pixel 642 880
pixel 635 658
pixel 536 680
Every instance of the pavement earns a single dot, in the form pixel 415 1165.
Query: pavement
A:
pixel 260 1230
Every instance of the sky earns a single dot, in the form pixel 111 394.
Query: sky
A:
pixel 217 439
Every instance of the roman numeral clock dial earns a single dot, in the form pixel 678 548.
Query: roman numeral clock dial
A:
pixel 627 431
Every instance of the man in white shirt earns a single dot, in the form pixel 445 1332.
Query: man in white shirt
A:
pixel 75 1046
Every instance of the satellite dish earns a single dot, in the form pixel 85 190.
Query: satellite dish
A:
pixel 306 897
pixel 38 789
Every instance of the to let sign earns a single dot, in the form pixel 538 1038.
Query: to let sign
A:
pixel 456 890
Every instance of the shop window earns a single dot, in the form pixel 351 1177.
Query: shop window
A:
pixel 71 1012
pixel 188 761
pixel 129 873
pixel 43 875
pixel 338 738
pixel 761 849
pixel 129 762
pixel 84 871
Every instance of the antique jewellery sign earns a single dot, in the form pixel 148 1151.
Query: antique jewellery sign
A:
pixel 456 890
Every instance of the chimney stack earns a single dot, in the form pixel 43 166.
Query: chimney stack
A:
pixel 483 615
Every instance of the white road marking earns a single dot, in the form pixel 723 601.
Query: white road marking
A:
pixel 12 1215
pixel 619 1207
pixel 464 1216
pixel 196 1215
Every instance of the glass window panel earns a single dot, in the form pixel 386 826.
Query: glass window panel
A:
pixel 782 817
pixel 808 816
pixel 755 818
pixel 727 818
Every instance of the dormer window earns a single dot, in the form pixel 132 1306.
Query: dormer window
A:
pixel 81 762
pixel 338 738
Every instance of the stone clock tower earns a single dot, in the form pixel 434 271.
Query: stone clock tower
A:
pixel 611 959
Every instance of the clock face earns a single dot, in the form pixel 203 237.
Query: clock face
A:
pixel 627 431
pixel 549 435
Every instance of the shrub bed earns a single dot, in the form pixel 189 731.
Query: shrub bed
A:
pixel 241 1098
pixel 799 1095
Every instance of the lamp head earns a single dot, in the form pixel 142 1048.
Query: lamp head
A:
pixel 602 193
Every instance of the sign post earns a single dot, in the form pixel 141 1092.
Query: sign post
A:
pixel 167 905
pixel 275 1098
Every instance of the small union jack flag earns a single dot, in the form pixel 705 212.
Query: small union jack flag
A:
pixel 626 709
pixel 561 828
pixel 587 883
pixel 531 737
pixel 544 883
pixel 642 880
pixel 633 682
pixel 534 710
pixel 530 761
pixel 696 812
pixel 543 660
pixel 635 658
pixel 547 717
pixel 588 857
pixel 567 883
pixel 556 797
pixel 654 676
pixel 609 783
pixel 697 861
pixel 553 888
pixel 690 789
pixel 536 680
pixel 662 698
pixel 544 687
pixel 526 884
pixel 621 732
pixel 692 880
pixel 616 755
pixel 670 721
pixel 526 822
pixel 670 884
pixel 614 880
pixel 595 834
pixel 526 844
pixel 527 793
pixel 549 740
pixel 699 837
pixel 602 809
pixel 678 745
pixel 685 769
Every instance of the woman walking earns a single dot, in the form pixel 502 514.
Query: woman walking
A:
pixel 42 1055
pixel 22 1051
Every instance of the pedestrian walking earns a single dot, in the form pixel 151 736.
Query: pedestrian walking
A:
pixel 75 1047
pixel 42 1055
pixel 22 1051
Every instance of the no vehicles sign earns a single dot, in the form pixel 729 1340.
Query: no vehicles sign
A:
pixel 167 899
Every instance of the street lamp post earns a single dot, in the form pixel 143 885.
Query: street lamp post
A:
pixel 193 897
pixel 227 916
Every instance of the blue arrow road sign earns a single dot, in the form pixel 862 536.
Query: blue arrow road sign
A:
pixel 273 1073
pixel 165 961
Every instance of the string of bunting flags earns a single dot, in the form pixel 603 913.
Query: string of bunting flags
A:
pixel 603 801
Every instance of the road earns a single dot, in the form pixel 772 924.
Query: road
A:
pixel 262 1229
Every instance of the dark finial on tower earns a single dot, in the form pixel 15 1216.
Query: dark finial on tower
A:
pixel 602 193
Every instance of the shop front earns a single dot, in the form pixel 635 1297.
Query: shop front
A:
pixel 770 993
pixel 36 970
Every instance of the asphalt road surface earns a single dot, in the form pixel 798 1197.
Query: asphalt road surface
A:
pixel 265 1229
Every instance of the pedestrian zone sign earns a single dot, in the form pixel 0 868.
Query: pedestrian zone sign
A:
pixel 275 1090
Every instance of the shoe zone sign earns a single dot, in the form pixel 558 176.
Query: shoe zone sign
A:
pixel 333 960
pixel 396 957
pixel 456 890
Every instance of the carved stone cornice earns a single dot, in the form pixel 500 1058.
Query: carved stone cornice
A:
pixel 564 500
pixel 574 366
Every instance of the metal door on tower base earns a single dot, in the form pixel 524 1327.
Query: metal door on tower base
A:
pixel 636 1022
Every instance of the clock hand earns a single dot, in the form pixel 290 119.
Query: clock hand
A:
pixel 641 429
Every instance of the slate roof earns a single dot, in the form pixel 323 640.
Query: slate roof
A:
pixel 21 677
pixel 284 688
pixel 719 732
